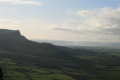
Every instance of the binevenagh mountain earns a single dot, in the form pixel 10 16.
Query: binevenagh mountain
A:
pixel 22 59
pixel 12 40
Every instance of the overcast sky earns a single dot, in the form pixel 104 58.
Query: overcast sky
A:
pixel 70 20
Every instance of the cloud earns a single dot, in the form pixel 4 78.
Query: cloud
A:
pixel 29 2
pixel 9 23
pixel 102 21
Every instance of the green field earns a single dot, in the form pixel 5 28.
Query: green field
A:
pixel 102 64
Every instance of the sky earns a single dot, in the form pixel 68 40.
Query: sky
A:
pixel 69 20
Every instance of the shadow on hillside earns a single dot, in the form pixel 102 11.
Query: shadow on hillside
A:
pixel 1 74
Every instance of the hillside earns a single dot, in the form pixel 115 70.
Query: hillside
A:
pixel 22 59
pixel 12 40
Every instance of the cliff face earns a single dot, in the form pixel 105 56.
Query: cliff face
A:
pixel 10 35
pixel 12 40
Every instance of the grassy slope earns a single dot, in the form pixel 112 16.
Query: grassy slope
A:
pixel 99 65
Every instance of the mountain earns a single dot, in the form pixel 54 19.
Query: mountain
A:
pixel 12 40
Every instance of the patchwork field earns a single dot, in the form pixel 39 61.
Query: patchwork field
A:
pixel 102 64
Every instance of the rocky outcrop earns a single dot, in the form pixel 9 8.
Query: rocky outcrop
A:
pixel 1 74
pixel 10 34
pixel 12 40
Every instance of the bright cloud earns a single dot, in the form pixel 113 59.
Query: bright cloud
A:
pixel 102 21
pixel 100 24
pixel 9 23
pixel 22 2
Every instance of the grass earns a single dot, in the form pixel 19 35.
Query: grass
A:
pixel 96 67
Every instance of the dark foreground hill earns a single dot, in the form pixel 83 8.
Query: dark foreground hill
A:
pixel 22 59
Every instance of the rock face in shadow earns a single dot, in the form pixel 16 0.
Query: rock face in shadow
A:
pixel 13 40
pixel 1 74
pixel 10 35
pixel 10 39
